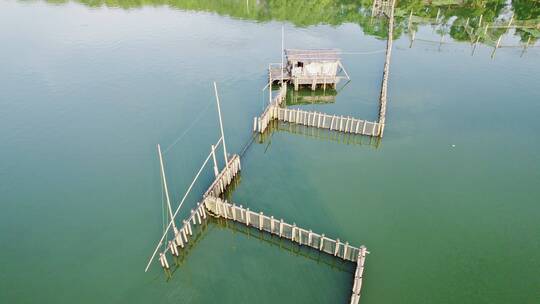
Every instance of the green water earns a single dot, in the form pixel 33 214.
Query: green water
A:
pixel 447 203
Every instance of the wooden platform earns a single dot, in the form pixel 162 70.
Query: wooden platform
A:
pixel 275 73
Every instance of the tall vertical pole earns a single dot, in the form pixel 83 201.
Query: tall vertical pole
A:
pixel 166 189
pixel 221 125
pixel 282 51
pixel 216 170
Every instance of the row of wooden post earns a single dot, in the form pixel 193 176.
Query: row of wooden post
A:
pixel 330 122
pixel 260 123
pixel 182 236
pixel 357 283
pixel 222 208
pixel 316 119
pixel 313 81
pixel 225 177
pixel 324 134
pixel 386 71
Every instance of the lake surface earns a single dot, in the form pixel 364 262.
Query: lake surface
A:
pixel 447 202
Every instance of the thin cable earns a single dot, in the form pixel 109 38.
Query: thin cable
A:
pixel 179 138
pixel 364 53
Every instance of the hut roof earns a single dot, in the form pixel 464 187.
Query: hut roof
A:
pixel 312 55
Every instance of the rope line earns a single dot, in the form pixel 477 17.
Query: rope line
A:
pixel 179 138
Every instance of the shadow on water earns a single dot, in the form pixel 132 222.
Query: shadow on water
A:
pixel 200 232
pixel 308 97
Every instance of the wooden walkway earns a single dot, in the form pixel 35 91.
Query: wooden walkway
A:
pixel 275 72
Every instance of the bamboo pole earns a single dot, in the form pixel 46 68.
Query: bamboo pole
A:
pixel 282 52
pixel 179 206
pixel 164 178
pixel 216 170
pixel 221 125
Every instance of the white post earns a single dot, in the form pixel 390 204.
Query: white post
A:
pixel 221 125
pixel 337 248
pixel 282 52
pixel 166 189
pixel 184 234
pixel 179 240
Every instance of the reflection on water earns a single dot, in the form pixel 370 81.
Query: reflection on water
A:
pixel 462 20
pixel 294 249
pixel 306 97
pixel 316 133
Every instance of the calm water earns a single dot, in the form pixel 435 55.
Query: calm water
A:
pixel 447 203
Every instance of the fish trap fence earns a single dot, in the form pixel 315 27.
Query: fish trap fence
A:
pixel 260 221
pixel 225 177
pixel 320 120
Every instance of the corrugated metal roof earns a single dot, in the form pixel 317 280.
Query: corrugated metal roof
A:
pixel 313 55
